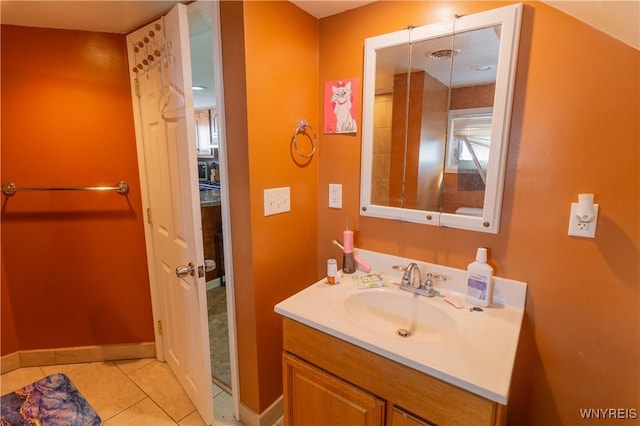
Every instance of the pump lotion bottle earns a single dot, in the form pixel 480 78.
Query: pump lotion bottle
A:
pixel 480 280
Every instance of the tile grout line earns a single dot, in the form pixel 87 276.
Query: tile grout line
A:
pixel 43 373
pixel 176 421
pixel 136 385
pixel 113 364
pixel 127 375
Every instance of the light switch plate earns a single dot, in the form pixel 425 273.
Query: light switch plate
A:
pixel 335 195
pixel 277 200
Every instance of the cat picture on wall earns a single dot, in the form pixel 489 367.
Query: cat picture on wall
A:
pixel 340 106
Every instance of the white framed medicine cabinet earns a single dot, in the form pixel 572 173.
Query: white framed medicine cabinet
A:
pixel 436 117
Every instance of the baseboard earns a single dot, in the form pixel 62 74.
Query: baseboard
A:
pixel 214 283
pixel 9 362
pixel 78 354
pixel 268 418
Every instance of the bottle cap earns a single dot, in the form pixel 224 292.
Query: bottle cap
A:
pixel 332 267
pixel 481 255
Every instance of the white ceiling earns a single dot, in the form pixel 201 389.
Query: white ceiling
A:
pixel 620 19
pixel 114 16
pixel 324 8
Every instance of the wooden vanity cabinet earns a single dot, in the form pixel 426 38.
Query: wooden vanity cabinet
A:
pixel 315 397
pixel 211 216
pixel 331 382
pixel 401 418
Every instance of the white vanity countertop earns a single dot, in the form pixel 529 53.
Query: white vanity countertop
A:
pixel 469 349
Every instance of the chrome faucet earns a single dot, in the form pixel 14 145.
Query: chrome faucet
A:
pixel 409 280
pixel 409 277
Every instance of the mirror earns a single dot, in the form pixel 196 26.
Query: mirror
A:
pixel 436 110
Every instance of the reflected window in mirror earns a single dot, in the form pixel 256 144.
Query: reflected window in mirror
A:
pixel 467 160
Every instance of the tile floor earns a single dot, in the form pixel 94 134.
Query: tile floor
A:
pixel 139 392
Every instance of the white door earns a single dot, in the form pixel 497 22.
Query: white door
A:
pixel 165 126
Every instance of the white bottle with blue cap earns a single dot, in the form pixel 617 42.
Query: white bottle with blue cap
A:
pixel 480 280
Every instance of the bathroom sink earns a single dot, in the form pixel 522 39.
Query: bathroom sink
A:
pixel 469 348
pixel 393 313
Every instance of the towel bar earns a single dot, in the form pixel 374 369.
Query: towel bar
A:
pixel 121 188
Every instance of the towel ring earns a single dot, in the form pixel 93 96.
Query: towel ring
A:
pixel 301 127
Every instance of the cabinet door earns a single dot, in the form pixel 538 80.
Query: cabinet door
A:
pixel 402 418
pixel 313 397
pixel 204 133
pixel 212 225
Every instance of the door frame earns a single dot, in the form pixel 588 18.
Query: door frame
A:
pixel 227 243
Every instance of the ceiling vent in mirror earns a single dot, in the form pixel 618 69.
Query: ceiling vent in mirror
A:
pixel 443 53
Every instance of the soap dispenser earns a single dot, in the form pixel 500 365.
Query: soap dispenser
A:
pixel 348 257
pixel 480 280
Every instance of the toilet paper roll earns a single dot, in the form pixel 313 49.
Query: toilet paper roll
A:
pixel 209 265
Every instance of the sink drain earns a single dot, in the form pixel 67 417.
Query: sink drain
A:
pixel 403 333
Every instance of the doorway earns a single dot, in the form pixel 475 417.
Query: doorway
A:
pixel 165 116
pixel 206 68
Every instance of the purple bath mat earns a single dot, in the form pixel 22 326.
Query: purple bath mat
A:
pixel 52 401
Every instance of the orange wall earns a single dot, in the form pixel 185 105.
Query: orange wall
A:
pixel 9 342
pixel 575 129
pixel 270 82
pixel 74 265
pixel 235 100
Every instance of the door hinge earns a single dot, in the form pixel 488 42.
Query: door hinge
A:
pixel 149 220
pixel 160 327
pixel 137 87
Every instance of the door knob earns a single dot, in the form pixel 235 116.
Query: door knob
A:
pixel 183 270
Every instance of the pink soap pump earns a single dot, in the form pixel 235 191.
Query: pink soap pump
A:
pixel 349 257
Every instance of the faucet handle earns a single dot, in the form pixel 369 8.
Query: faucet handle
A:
pixel 429 281
pixel 438 277
pixel 428 285
pixel 406 276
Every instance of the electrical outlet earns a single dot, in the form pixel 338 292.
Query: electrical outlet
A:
pixel 335 195
pixel 277 200
pixel 584 226
pixel 582 229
